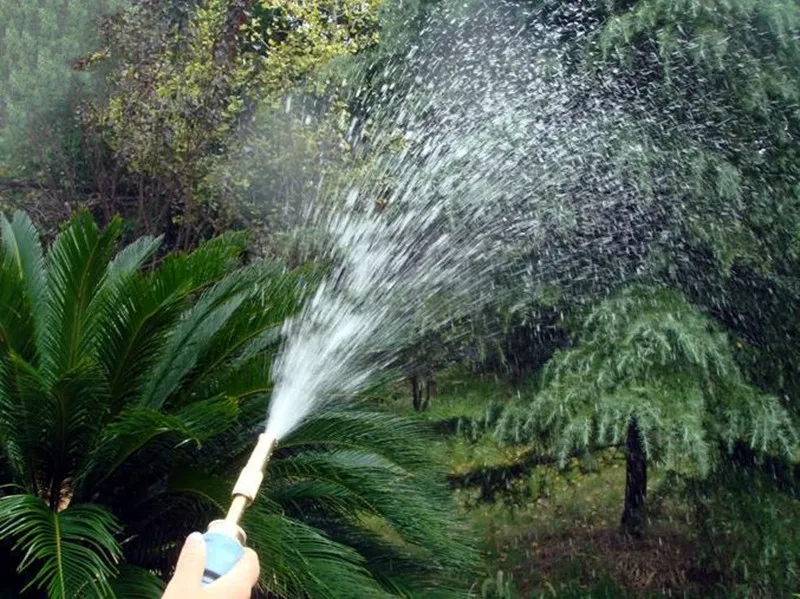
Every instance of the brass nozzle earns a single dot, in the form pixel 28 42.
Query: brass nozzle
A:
pixel 246 487
pixel 249 481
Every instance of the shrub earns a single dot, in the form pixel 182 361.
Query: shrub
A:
pixel 131 394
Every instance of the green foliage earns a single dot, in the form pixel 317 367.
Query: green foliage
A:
pixel 714 87
pixel 603 590
pixel 650 357
pixel 727 72
pixel 130 393
pixel 747 527
pixel 144 109
pixel 193 94
pixel 73 549
pixel 499 586
pixel 38 44
pixel 710 90
pixel 279 171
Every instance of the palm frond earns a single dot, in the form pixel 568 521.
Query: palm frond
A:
pixel 135 330
pixel 398 439
pixel 190 338
pixel 298 561
pixel 22 284
pixel 244 381
pixel 133 256
pixel 158 526
pixel 369 481
pixel 73 552
pixel 25 412
pixel 75 419
pixel 77 265
pixel 362 490
pixel 209 488
pixel 255 326
pixel 400 571
pixel 141 313
pixel 136 583
pixel 203 267
pixel 16 462
pixel 138 429
pixel 110 305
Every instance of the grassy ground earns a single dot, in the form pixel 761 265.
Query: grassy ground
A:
pixel 555 533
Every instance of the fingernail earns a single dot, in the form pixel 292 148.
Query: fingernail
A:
pixel 194 539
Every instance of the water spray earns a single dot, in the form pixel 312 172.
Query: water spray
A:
pixel 225 538
pixel 504 160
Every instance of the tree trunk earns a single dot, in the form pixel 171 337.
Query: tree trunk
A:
pixel 430 389
pixel 416 392
pixel 634 514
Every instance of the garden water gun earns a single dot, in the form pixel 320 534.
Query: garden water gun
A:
pixel 225 539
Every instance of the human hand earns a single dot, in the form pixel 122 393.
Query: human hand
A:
pixel 186 583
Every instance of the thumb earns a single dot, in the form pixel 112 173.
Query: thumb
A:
pixel 191 563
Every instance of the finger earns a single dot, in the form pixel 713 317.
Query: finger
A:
pixel 240 580
pixel 191 563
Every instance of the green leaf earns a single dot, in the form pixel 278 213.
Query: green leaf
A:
pixel 22 285
pixel 298 561
pixel 133 431
pixel 71 553
pixel 77 267
pixel 25 414
pixel 192 336
pixel 131 257
pixel 649 355
pixel 136 583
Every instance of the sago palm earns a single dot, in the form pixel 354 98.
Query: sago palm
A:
pixel 131 390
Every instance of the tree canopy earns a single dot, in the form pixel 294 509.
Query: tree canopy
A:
pixel 651 371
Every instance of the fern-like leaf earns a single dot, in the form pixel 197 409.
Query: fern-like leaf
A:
pixel 72 553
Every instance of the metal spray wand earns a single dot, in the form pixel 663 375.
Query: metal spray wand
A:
pixel 225 538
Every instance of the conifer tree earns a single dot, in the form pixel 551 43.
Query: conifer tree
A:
pixel 650 372
pixel 714 88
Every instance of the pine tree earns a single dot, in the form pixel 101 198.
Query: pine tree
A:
pixel 718 85
pixel 712 90
pixel 650 372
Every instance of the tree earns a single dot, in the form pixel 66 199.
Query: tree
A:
pixel 153 102
pixel 185 89
pixel 130 393
pixel 652 373
pixel 707 145
pixel 713 88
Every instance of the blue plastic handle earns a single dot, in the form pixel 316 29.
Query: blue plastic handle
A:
pixel 222 553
